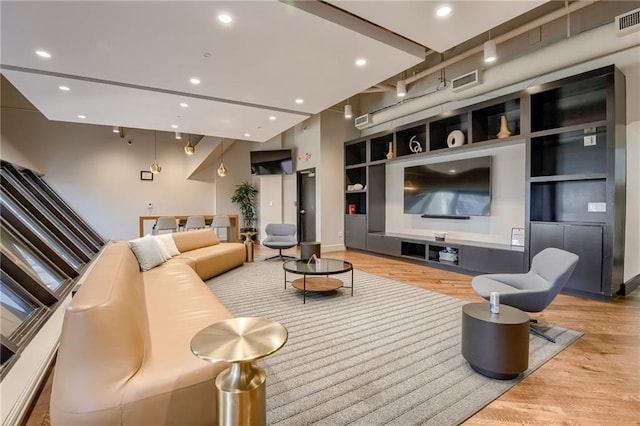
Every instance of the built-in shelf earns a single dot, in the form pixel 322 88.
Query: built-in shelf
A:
pixel 411 140
pixel 487 121
pixel 575 176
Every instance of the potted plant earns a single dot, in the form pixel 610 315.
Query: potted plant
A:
pixel 245 198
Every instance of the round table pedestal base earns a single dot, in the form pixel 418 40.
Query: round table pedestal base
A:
pixel 248 245
pixel 242 395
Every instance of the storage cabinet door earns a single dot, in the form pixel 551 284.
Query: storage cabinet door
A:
pixel 586 242
pixel 492 261
pixel 355 231
pixel 383 244
pixel 545 235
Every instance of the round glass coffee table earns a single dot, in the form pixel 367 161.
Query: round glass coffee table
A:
pixel 315 275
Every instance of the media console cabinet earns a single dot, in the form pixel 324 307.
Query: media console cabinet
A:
pixel 472 257
pixel 575 177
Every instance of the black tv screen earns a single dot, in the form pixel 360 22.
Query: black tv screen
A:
pixel 458 188
pixel 276 162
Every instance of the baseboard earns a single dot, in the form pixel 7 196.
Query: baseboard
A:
pixel 332 247
pixel 630 285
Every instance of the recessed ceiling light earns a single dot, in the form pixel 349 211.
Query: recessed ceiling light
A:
pixel 174 126
pixel 452 171
pixel 43 54
pixel 184 105
pixel 225 18
pixel 247 135
pixel 299 101
pixel 272 118
pixel 361 62
pixel 194 81
pixel 443 11
pixel 82 116
pixel 64 88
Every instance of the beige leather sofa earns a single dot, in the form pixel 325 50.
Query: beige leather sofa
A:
pixel 124 356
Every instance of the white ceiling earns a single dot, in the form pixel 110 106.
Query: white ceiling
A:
pixel 129 63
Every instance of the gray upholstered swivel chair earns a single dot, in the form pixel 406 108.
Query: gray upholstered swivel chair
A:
pixel 194 222
pixel 280 236
pixel 165 223
pixel 534 290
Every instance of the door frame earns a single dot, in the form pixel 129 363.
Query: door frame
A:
pixel 299 174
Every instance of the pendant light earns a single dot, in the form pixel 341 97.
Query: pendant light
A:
pixel 188 148
pixel 155 167
pixel 490 52
pixel 348 112
pixel 401 88
pixel 222 170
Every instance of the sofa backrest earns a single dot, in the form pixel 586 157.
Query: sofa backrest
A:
pixel 104 335
pixel 191 240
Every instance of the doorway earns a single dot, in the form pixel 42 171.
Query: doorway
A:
pixel 306 187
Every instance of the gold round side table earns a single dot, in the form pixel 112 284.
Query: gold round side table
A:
pixel 241 388
pixel 248 244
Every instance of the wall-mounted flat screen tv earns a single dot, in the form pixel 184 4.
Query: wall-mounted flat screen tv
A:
pixel 451 189
pixel 275 162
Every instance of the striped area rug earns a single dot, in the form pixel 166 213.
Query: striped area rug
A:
pixel 388 355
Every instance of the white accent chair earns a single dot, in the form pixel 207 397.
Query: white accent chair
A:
pixel 194 222
pixel 165 223
pixel 221 221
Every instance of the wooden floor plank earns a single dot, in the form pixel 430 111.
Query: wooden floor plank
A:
pixel 595 381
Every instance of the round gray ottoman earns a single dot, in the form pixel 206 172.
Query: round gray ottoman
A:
pixel 308 249
pixel 496 345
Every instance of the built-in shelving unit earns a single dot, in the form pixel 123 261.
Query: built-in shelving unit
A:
pixel 576 177
pixel 575 195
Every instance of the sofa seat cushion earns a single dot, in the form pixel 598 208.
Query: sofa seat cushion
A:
pixel 178 305
pixel 213 260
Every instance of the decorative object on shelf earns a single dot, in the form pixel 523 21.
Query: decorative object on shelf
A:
pixel 304 157
pixel 390 153
pixel 517 237
pixel 504 129
pixel 455 138
pixel 449 254
pixel 358 187
pixel 349 187
pixel 352 209
pixel 414 145
pixel 440 236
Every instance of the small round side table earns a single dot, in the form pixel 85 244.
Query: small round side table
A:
pixel 496 345
pixel 241 388
pixel 308 249
pixel 248 244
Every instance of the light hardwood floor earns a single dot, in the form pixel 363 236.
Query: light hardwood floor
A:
pixel 595 381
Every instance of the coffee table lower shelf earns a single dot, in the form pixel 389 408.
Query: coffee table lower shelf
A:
pixel 319 284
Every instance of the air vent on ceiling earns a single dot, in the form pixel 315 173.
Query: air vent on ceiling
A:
pixel 363 121
pixel 465 81
pixel 628 23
